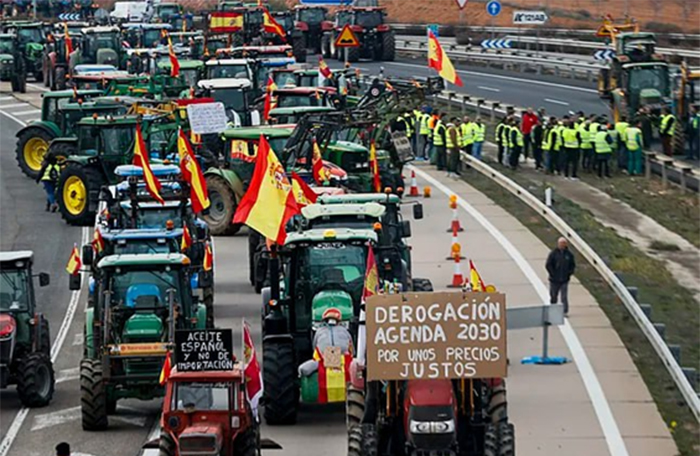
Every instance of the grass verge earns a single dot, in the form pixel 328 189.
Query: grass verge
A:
pixel 672 304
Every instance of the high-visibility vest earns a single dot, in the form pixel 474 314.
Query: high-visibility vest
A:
pixel 593 130
pixel 439 133
pixel 509 135
pixel 585 137
pixel 519 139
pixel 466 131
pixel 47 172
pixel 505 132
pixel 479 132
pixel 549 138
pixel 696 122
pixel 499 131
pixel 664 122
pixel 424 129
pixel 409 130
pixel 621 127
pixel 569 135
pixel 633 138
pixel 448 137
pixel 601 143
pixel 559 129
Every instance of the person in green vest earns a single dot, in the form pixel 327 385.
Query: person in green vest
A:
pixel 621 127
pixel 603 150
pixel 666 130
pixel 516 141
pixel 586 145
pixel 466 132
pixel 423 134
pixel 571 137
pixel 500 142
pixel 635 144
pixel 48 176
pixel 694 134
pixel 439 142
pixel 479 130
pixel 452 142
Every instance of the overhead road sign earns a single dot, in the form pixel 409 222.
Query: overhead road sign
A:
pixel 494 8
pixel 462 3
pixel 347 38
pixel 64 17
pixel 604 54
pixel 496 44
pixel 529 17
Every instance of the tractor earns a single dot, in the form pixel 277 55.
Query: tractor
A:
pixel 12 65
pixel 236 94
pixel 144 35
pixel 293 35
pixel 140 301
pixel 59 115
pixel 25 344
pixel 324 274
pixel 376 37
pixel 311 22
pixel 100 45
pixel 56 61
pixel 30 41
pixel 228 68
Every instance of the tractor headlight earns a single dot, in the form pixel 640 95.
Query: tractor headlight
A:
pixel 6 62
pixel 432 427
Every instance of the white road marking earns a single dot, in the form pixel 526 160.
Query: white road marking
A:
pixel 38 87
pixel 67 375
pixel 611 431
pixel 24 113
pixel 550 100
pixel 6 98
pixel 56 418
pixel 14 105
pixel 490 89
pixel 21 122
pixel 55 348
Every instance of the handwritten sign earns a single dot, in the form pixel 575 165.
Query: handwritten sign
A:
pixel 207 118
pixel 202 350
pixel 436 336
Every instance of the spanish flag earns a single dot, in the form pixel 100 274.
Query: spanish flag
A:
pixel 186 241
pixel 68 40
pixel 225 22
pixel 270 25
pixel 74 262
pixel 208 262
pixel 323 68
pixel 475 279
pixel 303 194
pixel 192 173
pixel 332 380
pixel 374 166
pixel 141 160
pixel 98 242
pixel 371 287
pixel 317 165
pixel 269 201
pixel 174 62
pixel 269 103
pixel 254 386
pixel 165 371
pixel 438 59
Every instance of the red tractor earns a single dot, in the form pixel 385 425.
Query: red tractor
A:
pixel 206 413
pixel 376 37
pixel 311 22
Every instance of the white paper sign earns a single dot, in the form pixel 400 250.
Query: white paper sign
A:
pixel 529 17
pixel 207 118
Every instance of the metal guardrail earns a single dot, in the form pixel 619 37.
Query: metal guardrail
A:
pixel 632 306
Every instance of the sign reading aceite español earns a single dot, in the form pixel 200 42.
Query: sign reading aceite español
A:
pixel 207 118
pixel 201 350
pixel 436 336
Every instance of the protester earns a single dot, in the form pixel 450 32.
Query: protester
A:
pixel 424 135
pixel 560 267
pixel 528 121
pixel 694 134
pixel 479 132
pixel 516 141
pixel 635 144
pixel 439 141
pixel 644 117
pixel 466 132
pixel 501 142
pixel 537 139
pixel 48 176
pixel 452 141
pixel 621 129
pixel 666 130
pixel 550 145
pixel 586 146
pixel 572 143
pixel 603 150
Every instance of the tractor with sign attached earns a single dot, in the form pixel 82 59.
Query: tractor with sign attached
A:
pixel 140 301
pixel 30 43
pixel 12 65
pixel 25 343
pixel 375 38
pixel 311 22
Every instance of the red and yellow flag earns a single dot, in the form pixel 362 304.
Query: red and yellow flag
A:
pixel 332 380
pixel 303 194
pixel 141 160
pixel 165 371
pixel 208 262
pixel 371 287
pixel 174 62
pixel 253 370
pixel 192 173
pixel 319 173
pixel 269 102
pixel 225 22
pixel 98 242
pixel 374 166
pixel 475 279
pixel 269 202
pixel 323 68
pixel 438 59
pixel 68 40
pixel 74 262
pixel 186 241
pixel 270 25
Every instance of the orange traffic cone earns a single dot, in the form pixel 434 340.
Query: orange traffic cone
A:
pixel 455 248
pixel 414 185
pixel 455 225
pixel 457 277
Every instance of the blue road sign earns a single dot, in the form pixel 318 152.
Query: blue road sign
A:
pixel 493 8
pixel 69 17
pixel 434 28
pixel 496 44
pixel 604 54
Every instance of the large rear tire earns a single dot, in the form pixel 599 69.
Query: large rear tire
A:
pixel 491 440
pixel 93 396
pixel 76 186
pixel 388 46
pixel 223 207
pixel 281 382
pixel 166 445
pixel 354 407
pixel 355 441
pixel 370 441
pixel 246 443
pixel 498 403
pixel 299 48
pixel 35 380
pixel 506 440
pixel 353 54
pixel 32 145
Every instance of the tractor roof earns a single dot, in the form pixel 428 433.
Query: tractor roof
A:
pixel 253 133
pixel 225 83
pixel 92 105
pixel 100 29
pixel 309 7
pixel 277 62
pixel 331 235
pixel 314 211
pixel 25 24
pixel 111 120
pixel 141 259
pixel 19 255
pixel 185 64
pixel 359 198
pixel 158 170
pixel 71 24
pixel 70 93
pixel 146 26
pixel 7 36
pixel 299 91
pixel 300 110
pixel 217 62
pixel 141 234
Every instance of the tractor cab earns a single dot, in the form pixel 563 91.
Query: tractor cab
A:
pixel 167 12
pixel 288 116
pixel 299 97
pixel 144 35
pixel 228 68
pixel 309 17
pixel 236 94
pixel 101 45
pixel 31 38
pixel 190 70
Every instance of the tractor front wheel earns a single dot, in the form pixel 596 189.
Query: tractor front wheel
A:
pixel 35 380
pixel 223 207
pixel 247 442
pixel 45 337
pixel 370 441
pixel 281 396
pixel 355 441
pixel 354 407
pixel 93 396
pixel 299 48
pixel 166 445
pixel 32 145
pixel 75 185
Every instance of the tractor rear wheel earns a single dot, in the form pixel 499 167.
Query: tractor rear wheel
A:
pixel 35 380
pixel 75 185
pixel 491 442
pixel 354 407
pixel 166 445
pixel 355 441
pixel 498 403
pixel 281 396
pixel 299 48
pixel 246 443
pixel 93 396
pixel 32 145
pixel 45 337
pixel 370 441
pixel 388 46
pixel 223 207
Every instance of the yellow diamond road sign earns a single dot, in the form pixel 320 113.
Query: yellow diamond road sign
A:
pixel 346 38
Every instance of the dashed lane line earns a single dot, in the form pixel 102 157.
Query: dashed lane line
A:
pixel 13 105
pixel 24 113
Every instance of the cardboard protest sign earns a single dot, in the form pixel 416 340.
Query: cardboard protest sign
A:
pixel 207 118
pixel 201 350
pixel 436 336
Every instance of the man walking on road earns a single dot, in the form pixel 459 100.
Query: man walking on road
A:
pixel 560 267
pixel 48 176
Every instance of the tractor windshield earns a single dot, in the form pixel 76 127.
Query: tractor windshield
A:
pixel 151 37
pixel 30 35
pixel 369 19
pixel 155 217
pixel 97 41
pixel 253 19
pixel 147 288
pixel 14 290
pixel 293 101
pixel 146 246
pixel 190 76
pixel 333 263
pixel 283 78
pixel 646 77
pixel 166 11
pixel 231 98
pixel 311 16
pixel 7 46
pixel 118 140
pixel 343 19
pixel 202 396
pixel 228 71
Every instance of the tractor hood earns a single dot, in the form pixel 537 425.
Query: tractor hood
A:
pixel 650 97
pixel 431 419
pixel 201 440
pixel 324 300
pixel 34 49
pixel 145 327
pixel 348 146
pixel 6 58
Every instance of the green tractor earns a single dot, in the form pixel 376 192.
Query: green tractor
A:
pixel 102 144
pixel 100 45
pixel 324 270
pixel 25 344
pixel 12 66
pixel 140 301
pixel 60 112
pixel 30 39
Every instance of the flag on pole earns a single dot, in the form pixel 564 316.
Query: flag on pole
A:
pixel 303 194
pixel 68 40
pixel 253 372
pixel 269 104
pixel 371 287
pixel 225 22
pixel 141 160
pixel 186 241
pixel 317 164
pixel 374 166
pixel 98 242
pixel 174 62
pixel 74 262
pixel 208 262
pixel 270 25
pixel 269 202
pixel 438 60
pixel 323 68
pixel 192 173
pixel 475 279
pixel 165 370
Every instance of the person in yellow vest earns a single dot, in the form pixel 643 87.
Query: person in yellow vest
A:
pixel 586 146
pixel 621 127
pixel 571 137
pixel 549 141
pixel 516 142
pixel 48 176
pixel 479 132
pixel 423 134
pixel 452 142
pixel 635 144
pixel 439 142
pixel 500 142
pixel 603 150
pixel 466 131
pixel 434 117
pixel 415 122
pixel 593 126
pixel 666 130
